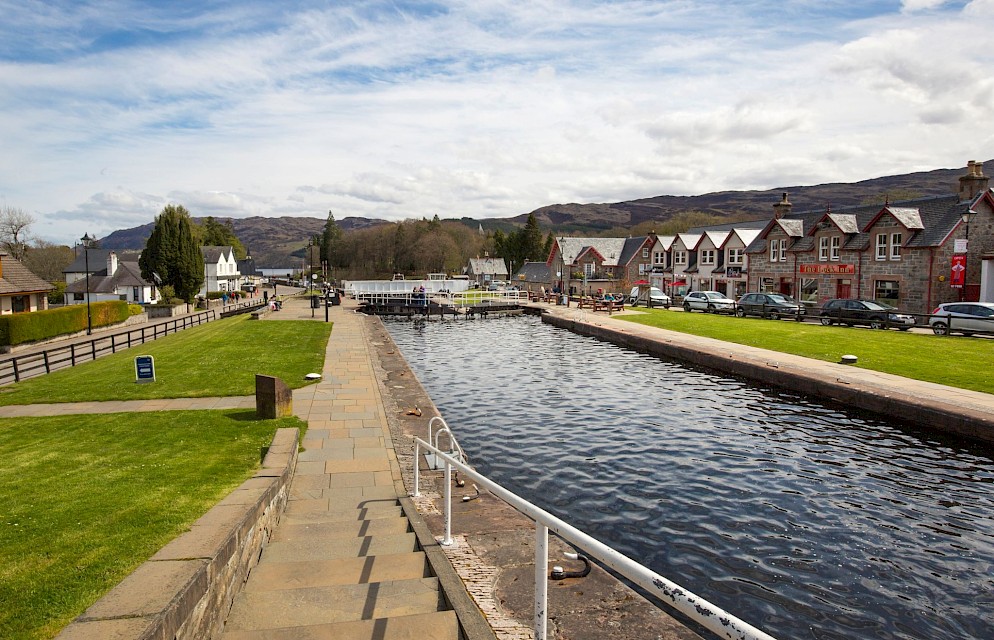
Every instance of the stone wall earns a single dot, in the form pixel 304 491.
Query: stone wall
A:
pixel 184 592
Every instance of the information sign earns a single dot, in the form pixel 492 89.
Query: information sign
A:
pixel 144 369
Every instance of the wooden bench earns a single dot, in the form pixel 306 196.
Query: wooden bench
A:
pixel 609 305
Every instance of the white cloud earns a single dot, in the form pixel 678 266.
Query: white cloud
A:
pixel 484 108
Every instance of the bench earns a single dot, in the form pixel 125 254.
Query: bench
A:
pixel 609 305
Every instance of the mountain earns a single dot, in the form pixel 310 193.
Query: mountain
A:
pixel 282 242
pixel 272 242
pixel 746 204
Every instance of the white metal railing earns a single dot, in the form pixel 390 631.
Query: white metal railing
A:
pixel 451 299
pixel 693 606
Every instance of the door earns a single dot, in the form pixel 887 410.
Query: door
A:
pixel 786 287
pixel 843 288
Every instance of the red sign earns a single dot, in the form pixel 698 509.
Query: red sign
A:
pixel 827 268
pixel 958 275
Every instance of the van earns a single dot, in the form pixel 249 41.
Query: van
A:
pixel 656 298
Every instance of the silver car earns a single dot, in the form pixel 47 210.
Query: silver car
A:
pixel 967 318
pixel 708 301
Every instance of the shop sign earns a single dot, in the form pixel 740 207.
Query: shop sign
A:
pixel 733 272
pixel 958 272
pixel 827 268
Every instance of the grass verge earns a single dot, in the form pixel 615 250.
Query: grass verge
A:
pixel 88 498
pixel 950 360
pixel 216 359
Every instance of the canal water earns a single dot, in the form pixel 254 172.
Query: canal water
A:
pixel 805 519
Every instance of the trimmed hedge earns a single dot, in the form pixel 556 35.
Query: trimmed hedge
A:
pixel 19 328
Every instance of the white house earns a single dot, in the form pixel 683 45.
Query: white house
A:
pixel 110 279
pixel 20 290
pixel 221 269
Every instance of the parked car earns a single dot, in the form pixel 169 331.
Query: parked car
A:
pixel 708 301
pixel 967 318
pixel 868 312
pixel 656 297
pixel 768 305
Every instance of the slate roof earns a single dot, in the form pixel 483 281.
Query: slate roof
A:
pixel 632 249
pixel 936 218
pixel 214 254
pixel 485 266
pixel 535 272
pixel 128 274
pixel 98 260
pixel 610 248
pixel 16 279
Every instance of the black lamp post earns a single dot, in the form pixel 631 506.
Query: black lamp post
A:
pixel 967 215
pixel 86 240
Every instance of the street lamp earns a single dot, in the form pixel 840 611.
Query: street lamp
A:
pixel 967 215
pixel 86 240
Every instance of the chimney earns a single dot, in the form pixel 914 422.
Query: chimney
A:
pixel 782 208
pixel 111 263
pixel 974 182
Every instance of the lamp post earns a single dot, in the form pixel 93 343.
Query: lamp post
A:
pixel 967 215
pixel 86 240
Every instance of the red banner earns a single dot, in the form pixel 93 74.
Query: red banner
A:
pixel 958 272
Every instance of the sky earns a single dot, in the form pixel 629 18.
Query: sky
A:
pixel 482 108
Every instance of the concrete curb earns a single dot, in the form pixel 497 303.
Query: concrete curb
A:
pixel 186 589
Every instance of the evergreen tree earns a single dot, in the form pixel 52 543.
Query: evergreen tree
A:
pixel 330 241
pixel 530 243
pixel 172 256
pixel 220 234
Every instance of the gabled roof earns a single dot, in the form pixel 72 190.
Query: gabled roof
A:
pixel 717 238
pixel 128 274
pixel 584 252
pixel 17 279
pixel 488 266
pixel 846 222
pixel 632 249
pixel 746 236
pixel 535 272
pixel 571 248
pixel 97 260
pixel 689 240
pixel 214 254
pixel 666 241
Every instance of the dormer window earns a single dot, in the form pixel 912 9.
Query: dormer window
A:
pixel 679 257
pixel 895 246
pixel 707 256
pixel 823 248
pixel 836 244
pixel 774 251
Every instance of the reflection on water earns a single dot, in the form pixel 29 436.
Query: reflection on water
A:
pixel 805 520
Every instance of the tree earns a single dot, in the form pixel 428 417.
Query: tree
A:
pixel 14 225
pixel 171 256
pixel 330 241
pixel 47 260
pixel 220 234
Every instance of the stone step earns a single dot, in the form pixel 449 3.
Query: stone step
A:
pixel 339 503
pixel 305 551
pixel 271 576
pixel 342 515
pixel 349 529
pixel 440 625
pixel 276 609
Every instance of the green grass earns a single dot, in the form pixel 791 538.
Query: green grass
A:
pixel 950 360
pixel 216 359
pixel 88 498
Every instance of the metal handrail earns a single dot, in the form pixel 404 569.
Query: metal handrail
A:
pixel 693 606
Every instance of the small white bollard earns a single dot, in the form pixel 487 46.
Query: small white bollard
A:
pixel 848 359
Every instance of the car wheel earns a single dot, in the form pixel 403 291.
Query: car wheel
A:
pixel 876 323
pixel 774 315
pixel 825 320
pixel 686 307
pixel 740 312
pixel 940 329
pixel 710 308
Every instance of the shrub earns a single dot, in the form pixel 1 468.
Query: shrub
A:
pixel 135 309
pixel 19 328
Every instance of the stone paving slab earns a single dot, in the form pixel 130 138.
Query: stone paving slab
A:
pixel 321 573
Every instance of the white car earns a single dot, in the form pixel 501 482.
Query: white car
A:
pixel 967 318
pixel 656 297
pixel 708 301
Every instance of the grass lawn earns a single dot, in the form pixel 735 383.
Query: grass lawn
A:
pixel 88 498
pixel 949 360
pixel 216 359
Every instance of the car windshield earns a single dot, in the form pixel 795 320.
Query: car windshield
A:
pixel 781 299
pixel 713 295
pixel 873 306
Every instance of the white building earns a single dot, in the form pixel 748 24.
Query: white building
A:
pixel 110 279
pixel 221 269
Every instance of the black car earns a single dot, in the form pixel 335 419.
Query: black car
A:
pixel 768 305
pixel 867 312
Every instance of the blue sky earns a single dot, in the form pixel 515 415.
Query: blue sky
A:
pixel 481 108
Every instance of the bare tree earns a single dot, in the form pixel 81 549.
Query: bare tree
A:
pixel 47 260
pixel 14 226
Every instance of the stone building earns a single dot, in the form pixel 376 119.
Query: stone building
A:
pixel 612 264
pixel 912 255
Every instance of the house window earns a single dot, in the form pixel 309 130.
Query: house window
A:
pixel 774 251
pixel 588 269
pixel 77 296
pixel 645 252
pixel 736 256
pixel 642 269
pixel 658 257
pixel 823 249
pixel 895 246
pixel 783 250
pixel 679 257
pixel 135 295
pixel 881 247
pixel 19 304
pixel 836 245
pixel 887 292
pixel 809 290
pixel 707 256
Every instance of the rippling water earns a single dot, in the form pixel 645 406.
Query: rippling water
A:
pixel 803 519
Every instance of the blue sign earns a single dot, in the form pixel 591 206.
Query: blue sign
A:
pixel 144 369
